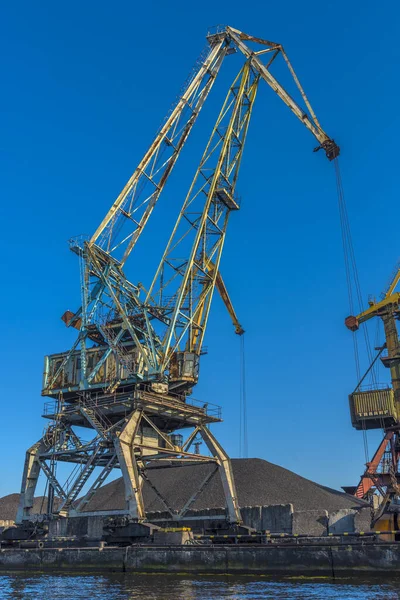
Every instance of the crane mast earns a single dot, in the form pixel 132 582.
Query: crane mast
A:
pixel 130 373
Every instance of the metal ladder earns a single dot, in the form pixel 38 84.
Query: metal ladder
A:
pixel 98 483
pixel 81 479
pixel 95 416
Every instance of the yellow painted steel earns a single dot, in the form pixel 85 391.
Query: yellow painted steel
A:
pixel 220 43
pixel 243 87
pixel 214 56
pixel 376 307
pixel 373 409
pixel 223 292
pixel 386 309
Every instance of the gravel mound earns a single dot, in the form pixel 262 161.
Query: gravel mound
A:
pixel 258 483
pixel 9 506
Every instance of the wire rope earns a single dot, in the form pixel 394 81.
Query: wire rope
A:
pixel 243 437
pixel 353 281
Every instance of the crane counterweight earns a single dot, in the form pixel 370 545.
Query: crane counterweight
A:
pixel 351 323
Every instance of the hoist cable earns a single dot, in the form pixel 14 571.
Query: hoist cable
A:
pixel 240 405
pixel 346 254
pixel 243 439
pixel 352 279
pixel 351 271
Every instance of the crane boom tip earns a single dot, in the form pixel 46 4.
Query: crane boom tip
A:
pixel 332 150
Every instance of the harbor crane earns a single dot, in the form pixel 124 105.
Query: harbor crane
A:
pixel 129 375
pixel 378 406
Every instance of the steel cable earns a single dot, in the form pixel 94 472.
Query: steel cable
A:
pixel 243 439
pixel 352 272
pixel 352 279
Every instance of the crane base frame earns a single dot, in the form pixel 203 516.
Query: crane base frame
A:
pixel 118 421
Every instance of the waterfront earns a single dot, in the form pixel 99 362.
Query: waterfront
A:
pixel 171 587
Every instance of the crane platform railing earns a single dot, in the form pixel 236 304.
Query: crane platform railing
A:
pixel 207 408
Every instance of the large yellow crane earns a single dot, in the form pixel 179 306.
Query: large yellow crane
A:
pixel 130 373
pixel 378 407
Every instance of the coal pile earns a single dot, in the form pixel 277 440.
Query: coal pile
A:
pixel 258 483
pixel 9 506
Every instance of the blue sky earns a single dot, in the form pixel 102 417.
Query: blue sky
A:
pixel 85 86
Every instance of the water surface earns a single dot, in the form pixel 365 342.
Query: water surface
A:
pixel 172 587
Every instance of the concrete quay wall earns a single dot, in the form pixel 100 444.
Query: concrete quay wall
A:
pixel 311 559
pixel 283 518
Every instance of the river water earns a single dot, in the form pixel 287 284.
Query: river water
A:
pixel 171 587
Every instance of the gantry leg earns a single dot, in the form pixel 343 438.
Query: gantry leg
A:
pixel 29 481
pixel 226 473
pixel 123 443
pixel 366 482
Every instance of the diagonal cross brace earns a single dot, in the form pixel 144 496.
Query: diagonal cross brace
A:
pixel 52 479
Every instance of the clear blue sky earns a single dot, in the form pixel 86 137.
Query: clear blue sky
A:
pixel 84 87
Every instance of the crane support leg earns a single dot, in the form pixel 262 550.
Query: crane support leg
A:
pixel 226 473
pixel 29 481
pixel 123 443
pixel 366 482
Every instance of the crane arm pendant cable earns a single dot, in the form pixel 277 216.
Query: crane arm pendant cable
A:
pixel 353 285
